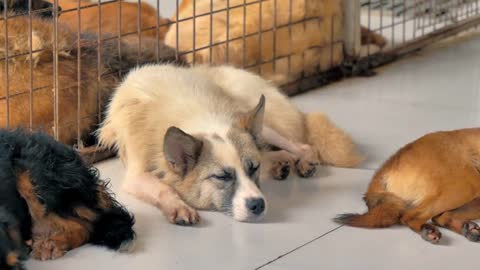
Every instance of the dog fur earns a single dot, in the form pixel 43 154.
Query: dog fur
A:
pixel 315 24
pixel 52 199
pixel 201 131
pixel 81 96
pixel 436 177
pixel 89 18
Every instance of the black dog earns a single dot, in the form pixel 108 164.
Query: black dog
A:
pixel 50 196
pixel 40 8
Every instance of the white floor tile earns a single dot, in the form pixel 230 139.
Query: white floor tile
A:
pixel 392 248
pixel 299 210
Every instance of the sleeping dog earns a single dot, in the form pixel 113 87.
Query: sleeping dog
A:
pixel 51 199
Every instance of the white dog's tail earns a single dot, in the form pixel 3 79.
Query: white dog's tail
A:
pixel 334 146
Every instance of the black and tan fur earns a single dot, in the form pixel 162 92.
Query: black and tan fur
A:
pixel 51 199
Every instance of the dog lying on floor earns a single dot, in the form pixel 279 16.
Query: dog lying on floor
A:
pixel 306 35
pixel 194 137
pixel 49 196
pixel 436 177
pixel 109 11
pixel 82 94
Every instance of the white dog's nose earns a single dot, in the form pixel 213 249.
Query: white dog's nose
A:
pixel 256 205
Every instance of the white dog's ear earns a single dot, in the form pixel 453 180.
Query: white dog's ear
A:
pixel 181 150
pixel 252 121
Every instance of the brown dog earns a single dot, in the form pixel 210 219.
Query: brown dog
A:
pixel 80 95
pixel 436 177
pixel 89 18
pixel 310 31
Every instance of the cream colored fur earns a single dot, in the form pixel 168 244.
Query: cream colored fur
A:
pixel 205 102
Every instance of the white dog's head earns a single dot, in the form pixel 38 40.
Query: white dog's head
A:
pixel 220 170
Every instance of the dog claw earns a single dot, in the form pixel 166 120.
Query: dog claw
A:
pixel 308 163
pixel 281 170
pixel 430 233
pixel 184 216
pixel 471 231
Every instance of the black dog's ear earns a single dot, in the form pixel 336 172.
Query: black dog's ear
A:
pixel 252 121
pixel 181 150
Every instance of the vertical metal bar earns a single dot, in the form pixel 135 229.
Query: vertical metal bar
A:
pixel 369 23
pixel 227 45
pixel 244 33
pixel 139 30
pixel 393 24
pixel 404 23
pixel 260 26
pixel 177 56
pixel 382 6
pixel 99 56
pixel 332 41
pixel 194 33
pixel 415 11
pixel 274 43
pixel 7 85
pixel 211 34
pixel 352 37
pixel 79 72
pixel 119 34
pixel 55 68
pixel 157 33
pixel 290 49
pixel 30 46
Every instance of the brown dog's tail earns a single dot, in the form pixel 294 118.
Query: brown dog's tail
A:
pixel 387 212
pixel 334 146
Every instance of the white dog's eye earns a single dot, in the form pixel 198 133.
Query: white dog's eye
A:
pixel 228 174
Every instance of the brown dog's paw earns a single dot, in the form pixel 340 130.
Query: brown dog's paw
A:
pixel 307 164
pixel 280 169
pixel 430 233
pixel 183 215
pixel 47 249
pixel 471 231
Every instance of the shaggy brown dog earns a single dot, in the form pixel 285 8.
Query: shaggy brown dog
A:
pixel 83 83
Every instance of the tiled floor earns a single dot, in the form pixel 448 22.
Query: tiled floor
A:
pixel 438 89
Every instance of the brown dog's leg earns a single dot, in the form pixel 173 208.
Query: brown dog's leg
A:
pixel 417 219
pixel 306 157
pixel 52 235
pixel 370 37
pixel 151 189
pixel 460 220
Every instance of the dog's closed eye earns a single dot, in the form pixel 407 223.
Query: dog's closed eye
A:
pixel 228 174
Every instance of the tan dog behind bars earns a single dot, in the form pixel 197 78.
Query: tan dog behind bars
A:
pixel 435 177
pixel 192 137
pixel 80 95
pixel 89 18
pixel 313 40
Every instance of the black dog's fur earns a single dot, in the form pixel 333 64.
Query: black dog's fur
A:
pixel 39 8
pixel 62 182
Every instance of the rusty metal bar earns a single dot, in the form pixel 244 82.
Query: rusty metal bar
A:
pixel 79 72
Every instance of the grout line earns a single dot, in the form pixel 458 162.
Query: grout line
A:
pixel 299 247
